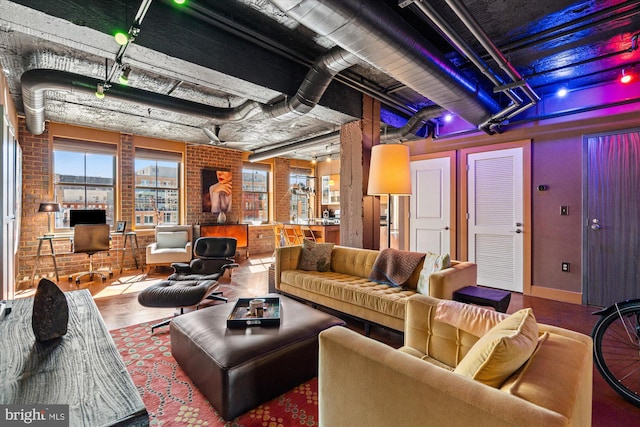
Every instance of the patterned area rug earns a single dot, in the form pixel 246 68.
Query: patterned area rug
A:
pixel 173 400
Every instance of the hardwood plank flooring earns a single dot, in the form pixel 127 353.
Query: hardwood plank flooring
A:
pixel 117 301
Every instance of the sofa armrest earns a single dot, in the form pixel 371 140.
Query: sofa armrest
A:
pixel 151 248
pixel 287 258
pixel 363 382
pixel 443 283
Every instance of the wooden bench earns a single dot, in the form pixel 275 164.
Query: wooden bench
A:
pixel 484 296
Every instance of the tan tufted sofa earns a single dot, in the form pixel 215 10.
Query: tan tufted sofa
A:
pixel 363 382
pixel 346 287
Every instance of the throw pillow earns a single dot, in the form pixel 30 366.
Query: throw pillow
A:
pixel 315 256
pixel 171 239
pixel 432 263
pixel 468 317
pixel 502 351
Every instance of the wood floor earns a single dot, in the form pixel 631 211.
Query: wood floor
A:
pixel 117 301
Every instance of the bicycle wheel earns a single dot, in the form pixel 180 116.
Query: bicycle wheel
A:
pixel 616 346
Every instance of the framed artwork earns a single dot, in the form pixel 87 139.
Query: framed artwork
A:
pixel 217 185
pixel 121 226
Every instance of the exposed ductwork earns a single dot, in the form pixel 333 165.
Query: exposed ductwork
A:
pixel 413 125
pixel 36 82
pixel 314 85
pixel 379 37
pixel 409 129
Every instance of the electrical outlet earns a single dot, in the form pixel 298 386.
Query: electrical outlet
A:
pixel 565 267
pixel 564 210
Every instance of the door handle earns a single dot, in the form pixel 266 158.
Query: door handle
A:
pixel 595 226
pixel 446 227
pixel 518 231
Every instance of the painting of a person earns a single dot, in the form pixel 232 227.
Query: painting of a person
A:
pixel 220 192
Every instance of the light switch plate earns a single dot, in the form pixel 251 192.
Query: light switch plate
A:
pixel 564 210
pixel 565 267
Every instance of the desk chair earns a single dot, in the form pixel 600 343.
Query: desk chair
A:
pixel 291 233
pixel 90 239
pixel 307 233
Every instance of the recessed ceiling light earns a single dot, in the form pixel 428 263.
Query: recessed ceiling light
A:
pixel 562 92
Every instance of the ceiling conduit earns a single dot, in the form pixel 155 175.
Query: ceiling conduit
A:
pixel 379 37
pixel 472 25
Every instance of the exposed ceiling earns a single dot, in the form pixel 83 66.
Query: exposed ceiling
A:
pixel 234 66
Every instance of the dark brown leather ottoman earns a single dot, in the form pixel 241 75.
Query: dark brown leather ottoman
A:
pixel 238 369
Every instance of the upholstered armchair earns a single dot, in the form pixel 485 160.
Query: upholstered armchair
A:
pixel 173 244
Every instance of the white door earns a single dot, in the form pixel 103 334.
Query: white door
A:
pixel 430 220
pixel 496 216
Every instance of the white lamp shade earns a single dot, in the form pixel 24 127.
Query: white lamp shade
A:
pixel 389 171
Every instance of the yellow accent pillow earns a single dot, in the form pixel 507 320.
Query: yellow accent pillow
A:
pixel 502 351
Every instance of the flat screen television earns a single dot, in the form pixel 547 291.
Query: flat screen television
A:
pixel 87 216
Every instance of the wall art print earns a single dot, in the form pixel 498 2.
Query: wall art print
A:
pixel 217 187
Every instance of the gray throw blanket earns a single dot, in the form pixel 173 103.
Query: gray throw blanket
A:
pixel 394 267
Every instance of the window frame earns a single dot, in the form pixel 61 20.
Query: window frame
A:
pixel 256 168
pixel 84 148
pixel 157 156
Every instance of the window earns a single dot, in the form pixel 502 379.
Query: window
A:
pixel 84 177
pixel 301 194
pixel 157 193
pixel 255 193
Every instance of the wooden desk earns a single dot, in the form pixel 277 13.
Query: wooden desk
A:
pixel 239 231
pixel 83 369
pixel 48 238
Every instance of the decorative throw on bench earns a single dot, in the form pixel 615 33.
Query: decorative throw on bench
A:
pixel 394 267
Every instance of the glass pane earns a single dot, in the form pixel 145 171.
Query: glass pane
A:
pixel 145 202
pixel 145 172
pixel 68 167
pixel 167 204
pixel 101 198
pixel 100 169
pixel 168 174
pixel 69 197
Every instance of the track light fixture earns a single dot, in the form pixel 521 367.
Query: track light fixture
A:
pixel 121 37
pixel 124 77
pixel 100 91
pixel 626 77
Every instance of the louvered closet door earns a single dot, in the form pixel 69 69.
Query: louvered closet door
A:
pixel 495 223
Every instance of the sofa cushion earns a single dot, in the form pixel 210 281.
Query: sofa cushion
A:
pixel 171 239
pixel 432 263
pixel 502 350
pixel 315 256
pixel 353 290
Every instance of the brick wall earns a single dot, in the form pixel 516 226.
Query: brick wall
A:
pixel 37 187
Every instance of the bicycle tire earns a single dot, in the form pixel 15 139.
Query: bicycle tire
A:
pixel 616 349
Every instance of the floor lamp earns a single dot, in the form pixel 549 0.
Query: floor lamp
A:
pixel 389 174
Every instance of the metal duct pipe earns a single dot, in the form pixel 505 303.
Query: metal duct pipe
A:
pixel 36 82
pixel 328 138
pixel 314 85
pixel 414 123
pixel 373 32
pixel 412 126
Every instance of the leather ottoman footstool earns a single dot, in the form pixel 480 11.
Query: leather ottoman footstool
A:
pixel 238 369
